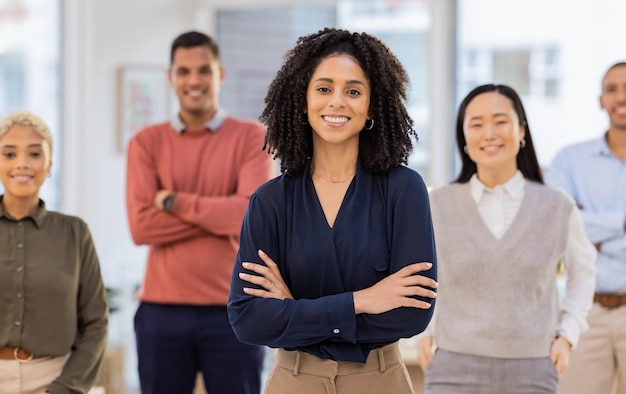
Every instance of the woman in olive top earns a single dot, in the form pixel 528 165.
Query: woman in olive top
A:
pixel 53 311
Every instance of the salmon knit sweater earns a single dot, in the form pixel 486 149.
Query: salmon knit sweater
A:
pixel 214 173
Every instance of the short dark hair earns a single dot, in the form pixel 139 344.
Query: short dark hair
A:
pixel 615 65
pixel 192 39
pixel 526 158
pixel 289 135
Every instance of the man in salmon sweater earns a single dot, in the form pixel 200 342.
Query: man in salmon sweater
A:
pixel 188 184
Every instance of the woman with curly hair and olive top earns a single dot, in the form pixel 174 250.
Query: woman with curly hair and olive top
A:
pixel 330 250
pixel 53 310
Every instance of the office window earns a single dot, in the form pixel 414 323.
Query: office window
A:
pixel 511 67
pixel 531 72
pixel 557 71
pixel 29 70
pixel 253 42
pixel 544 70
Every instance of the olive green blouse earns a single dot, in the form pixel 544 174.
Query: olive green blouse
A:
pixel 52 299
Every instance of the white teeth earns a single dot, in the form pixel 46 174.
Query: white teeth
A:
pixel 336 119
pixel 196 92
pixel 21 178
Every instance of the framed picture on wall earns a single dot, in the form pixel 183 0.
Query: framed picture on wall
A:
pixel 143 99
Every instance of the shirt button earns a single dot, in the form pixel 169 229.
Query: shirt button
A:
pixel 17 323
pixel 20 269
pixel 336 331
pixel 19 295
pixel 20 245
pixel 19 224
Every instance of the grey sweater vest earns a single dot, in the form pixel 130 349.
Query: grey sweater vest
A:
pixel 498 298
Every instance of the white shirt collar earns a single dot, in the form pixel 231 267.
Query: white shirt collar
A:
pixel 213 124
pixel 513 187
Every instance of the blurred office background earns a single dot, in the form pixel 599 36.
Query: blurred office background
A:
pixel 95 70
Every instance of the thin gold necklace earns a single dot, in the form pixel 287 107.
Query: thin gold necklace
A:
pixel 333 181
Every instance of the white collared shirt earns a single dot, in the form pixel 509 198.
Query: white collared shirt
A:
pixel 499 205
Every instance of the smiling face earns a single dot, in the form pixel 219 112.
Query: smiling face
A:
pixel 613 98
pixel 196 76
pixel 338 99
pixel 24 164
pixel 493 133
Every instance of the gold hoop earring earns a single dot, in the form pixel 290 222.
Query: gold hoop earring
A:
pixel 371 126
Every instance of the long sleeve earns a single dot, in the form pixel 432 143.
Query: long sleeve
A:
pixel 88 349
pixel 53 300
pixel 213 173
pixel 603 218
pixel 278 323
pixel 411 241
pixel 222 215
pixel 147 224
pixel 615 248
pixel 321 320
pixel 596 180
pixel 580 256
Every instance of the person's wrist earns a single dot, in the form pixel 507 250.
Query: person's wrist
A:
pixel 567 342
pixel 168 203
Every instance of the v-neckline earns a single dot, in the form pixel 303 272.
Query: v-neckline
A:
pixel 320 208
pixel 473 216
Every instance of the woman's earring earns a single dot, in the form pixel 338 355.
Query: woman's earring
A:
pixel 371 126
pixel 522 144
pixel 465 149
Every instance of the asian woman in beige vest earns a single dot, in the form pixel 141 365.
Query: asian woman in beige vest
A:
pixel 501 233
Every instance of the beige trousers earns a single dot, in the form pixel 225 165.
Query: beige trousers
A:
pixel 32 377
pixel 303 373
pixel 600 357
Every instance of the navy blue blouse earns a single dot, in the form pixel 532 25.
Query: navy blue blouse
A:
pixel 383 224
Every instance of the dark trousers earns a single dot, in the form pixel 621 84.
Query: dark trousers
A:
pixel 174 342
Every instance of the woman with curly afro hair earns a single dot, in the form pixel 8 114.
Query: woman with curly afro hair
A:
pixel 337 256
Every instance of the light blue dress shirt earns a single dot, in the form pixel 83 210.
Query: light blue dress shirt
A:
pixel 596 179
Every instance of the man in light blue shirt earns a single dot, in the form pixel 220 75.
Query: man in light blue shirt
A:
pixel 594 174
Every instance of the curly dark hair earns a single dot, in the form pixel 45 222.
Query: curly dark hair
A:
pixel 289 136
